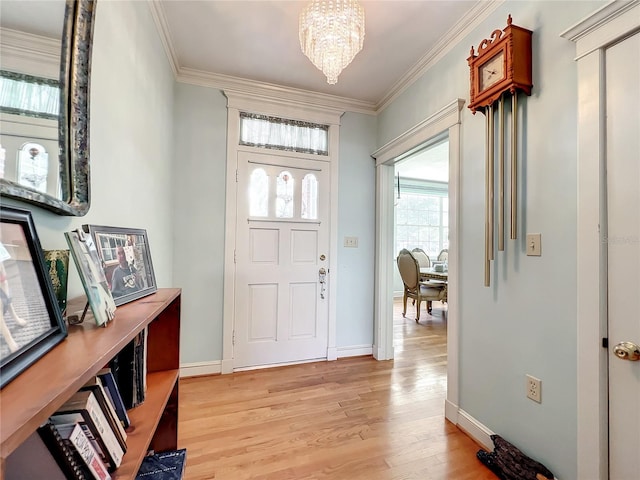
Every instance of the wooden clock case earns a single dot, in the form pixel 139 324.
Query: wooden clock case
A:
pixel 515 42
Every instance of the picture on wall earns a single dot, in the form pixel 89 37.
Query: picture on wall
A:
pixel 94 282
pixel 31 323
pixel 126 260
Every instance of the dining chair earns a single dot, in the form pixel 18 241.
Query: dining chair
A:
pixel 414 288
pixel 423 259
pixel 443 256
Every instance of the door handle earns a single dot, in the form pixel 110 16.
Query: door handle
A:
pixel 322 278
pixel 627 351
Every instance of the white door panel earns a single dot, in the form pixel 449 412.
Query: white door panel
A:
pixel 281 315
pixel 623 247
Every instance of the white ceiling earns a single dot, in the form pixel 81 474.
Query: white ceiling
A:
pixel 431 163
pixel 257 40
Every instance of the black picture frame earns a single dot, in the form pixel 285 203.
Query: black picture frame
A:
pixel 31 322
pixel 138 275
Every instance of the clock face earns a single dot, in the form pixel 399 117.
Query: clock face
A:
pixel 492 71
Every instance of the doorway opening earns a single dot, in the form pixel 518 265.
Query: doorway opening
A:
pixel 443 124
pixel 421 214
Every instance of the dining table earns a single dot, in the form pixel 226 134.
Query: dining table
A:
pixel 431 275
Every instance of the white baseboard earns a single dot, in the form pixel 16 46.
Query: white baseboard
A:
pixel 355 351
pixel 216 367
pixel 332 354
pixel 469 425
pixel 200 368
pixel 451 412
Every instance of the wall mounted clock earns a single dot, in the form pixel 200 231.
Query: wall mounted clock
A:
pixel 501 66
pixel 503 63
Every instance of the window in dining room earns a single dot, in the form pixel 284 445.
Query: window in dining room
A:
pixel 422 217
pixel 422 199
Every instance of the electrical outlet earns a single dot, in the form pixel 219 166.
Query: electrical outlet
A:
pixel 534 389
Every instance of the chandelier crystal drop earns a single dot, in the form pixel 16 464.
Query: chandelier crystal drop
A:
pixel 331 34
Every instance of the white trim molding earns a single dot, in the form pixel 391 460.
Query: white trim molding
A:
pixel 199 369
pixel 445 121
pixel 160 19
pixel 355 351
pixel 474 17
pixel 30 54
pixel 592 35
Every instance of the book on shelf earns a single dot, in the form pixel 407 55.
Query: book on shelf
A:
pixel 75 438
pixel 83 408
pixel 128 368
pixel 61 452
pixel 33 457
pixel 111 387
pixel 140 354
pixel 95 385
pixel 163 466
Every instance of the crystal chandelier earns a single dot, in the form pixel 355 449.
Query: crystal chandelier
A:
pixel 331 34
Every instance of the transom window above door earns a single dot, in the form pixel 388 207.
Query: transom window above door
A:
pixel 283 134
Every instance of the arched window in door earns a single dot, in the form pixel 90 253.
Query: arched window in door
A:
pixel 33 166
pixel 284 195
pixel 259 193
pixel 309 200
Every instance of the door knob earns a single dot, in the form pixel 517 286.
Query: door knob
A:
pixel 627 351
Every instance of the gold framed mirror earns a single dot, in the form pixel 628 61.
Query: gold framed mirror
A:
pixel 27 35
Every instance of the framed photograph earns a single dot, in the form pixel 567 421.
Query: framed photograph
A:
pixel 126 260
pixel 94 282
pixel 31 323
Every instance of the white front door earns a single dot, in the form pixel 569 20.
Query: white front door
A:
pixel 623 247
pixel 282 244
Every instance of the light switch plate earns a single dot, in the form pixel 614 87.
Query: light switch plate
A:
pixel 534 244
pixel 351 242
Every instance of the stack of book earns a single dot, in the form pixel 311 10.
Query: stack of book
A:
pixel 86 437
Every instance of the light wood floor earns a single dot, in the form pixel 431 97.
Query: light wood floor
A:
pixel 352 419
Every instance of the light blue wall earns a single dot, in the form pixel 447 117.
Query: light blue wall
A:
pixel 131 142
pixel 199 177
pixel 525 323
pixel 356 218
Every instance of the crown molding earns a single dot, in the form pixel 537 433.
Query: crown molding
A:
pixel 428 128
pixel 449 40
pixel 30 54
pixel 241 100
pixel 160 19
pixel 603 26
pixel 276 92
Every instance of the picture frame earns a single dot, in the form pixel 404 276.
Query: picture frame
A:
pixel 31 323
pixel 92 276
pixel 126 261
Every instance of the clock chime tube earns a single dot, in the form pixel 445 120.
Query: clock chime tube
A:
pixel 514 166
pixel 501 174
pixel 487 163
pixel 491 181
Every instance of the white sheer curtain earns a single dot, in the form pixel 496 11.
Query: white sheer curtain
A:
pixel 283 134
pixel 27 95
